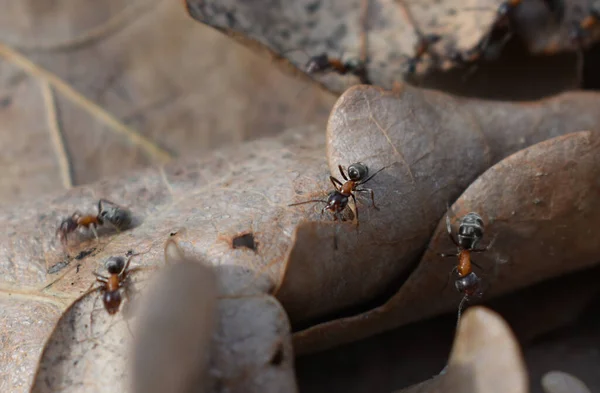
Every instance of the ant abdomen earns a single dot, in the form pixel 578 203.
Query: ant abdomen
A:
pixel 112 301
pixel 469 285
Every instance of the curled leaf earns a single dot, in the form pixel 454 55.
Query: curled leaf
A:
pixel 530 214
pixel 433 146
pixel 382 35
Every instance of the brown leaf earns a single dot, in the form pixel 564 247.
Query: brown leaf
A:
pixel 102 91
pixel 522 204
pixel 485 357
pixel 384 34
pixel 205 205
pixel 436 146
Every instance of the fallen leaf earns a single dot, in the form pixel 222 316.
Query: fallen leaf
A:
pixel 192 202
pixel 103 91
pixel 435 145
pixel 522 206
pixel 383 34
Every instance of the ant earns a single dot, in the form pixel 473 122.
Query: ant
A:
pixel 500 27
pixel 337 200
pixel 580 30
pixel 470 232
pixel 421 48
pixel 323 63
pixel 120 218
pixel 110 286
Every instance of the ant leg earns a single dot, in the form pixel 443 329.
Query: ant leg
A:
pixel 342 172
pixel 100 278
pixel 372 195
pixel 447 255
pixel 309 201
pixel 448 279
pixel 122 272
pixel 449 229
pixel 334 181
pixel 356 212
pixel 93 228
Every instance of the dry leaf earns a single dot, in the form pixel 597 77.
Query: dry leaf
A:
pixel 384 33
pixel 230 209
pixel 101 90
pixel 522 205
pixel 436 145
pixel 485 358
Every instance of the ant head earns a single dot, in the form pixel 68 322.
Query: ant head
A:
pixel 317 63
pixel 336 201
pixel 120 218
pixel 358 171
pixel 114 265
pixel 354 64
pixel 469 284
pixel 470 230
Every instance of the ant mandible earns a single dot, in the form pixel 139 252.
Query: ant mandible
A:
pixel 111 285
pixel 337 200
pixel 114 214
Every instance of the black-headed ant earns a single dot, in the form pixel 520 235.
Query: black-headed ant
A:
pixel 323 63
pixel 111 285
pixel 421 48
pixel 337 200
pixel 470 232
pixel 108 211
pixel 580 30
pixel 498 35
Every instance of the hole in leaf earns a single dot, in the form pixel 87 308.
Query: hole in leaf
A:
pixel 245 240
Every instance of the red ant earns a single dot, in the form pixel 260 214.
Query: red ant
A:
pixel 421 48
pixel 337 200
pixel 502 26
pixel 110 286
pixel 323 63
pixel 120 218
pixel 470 232
pixel 580 30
